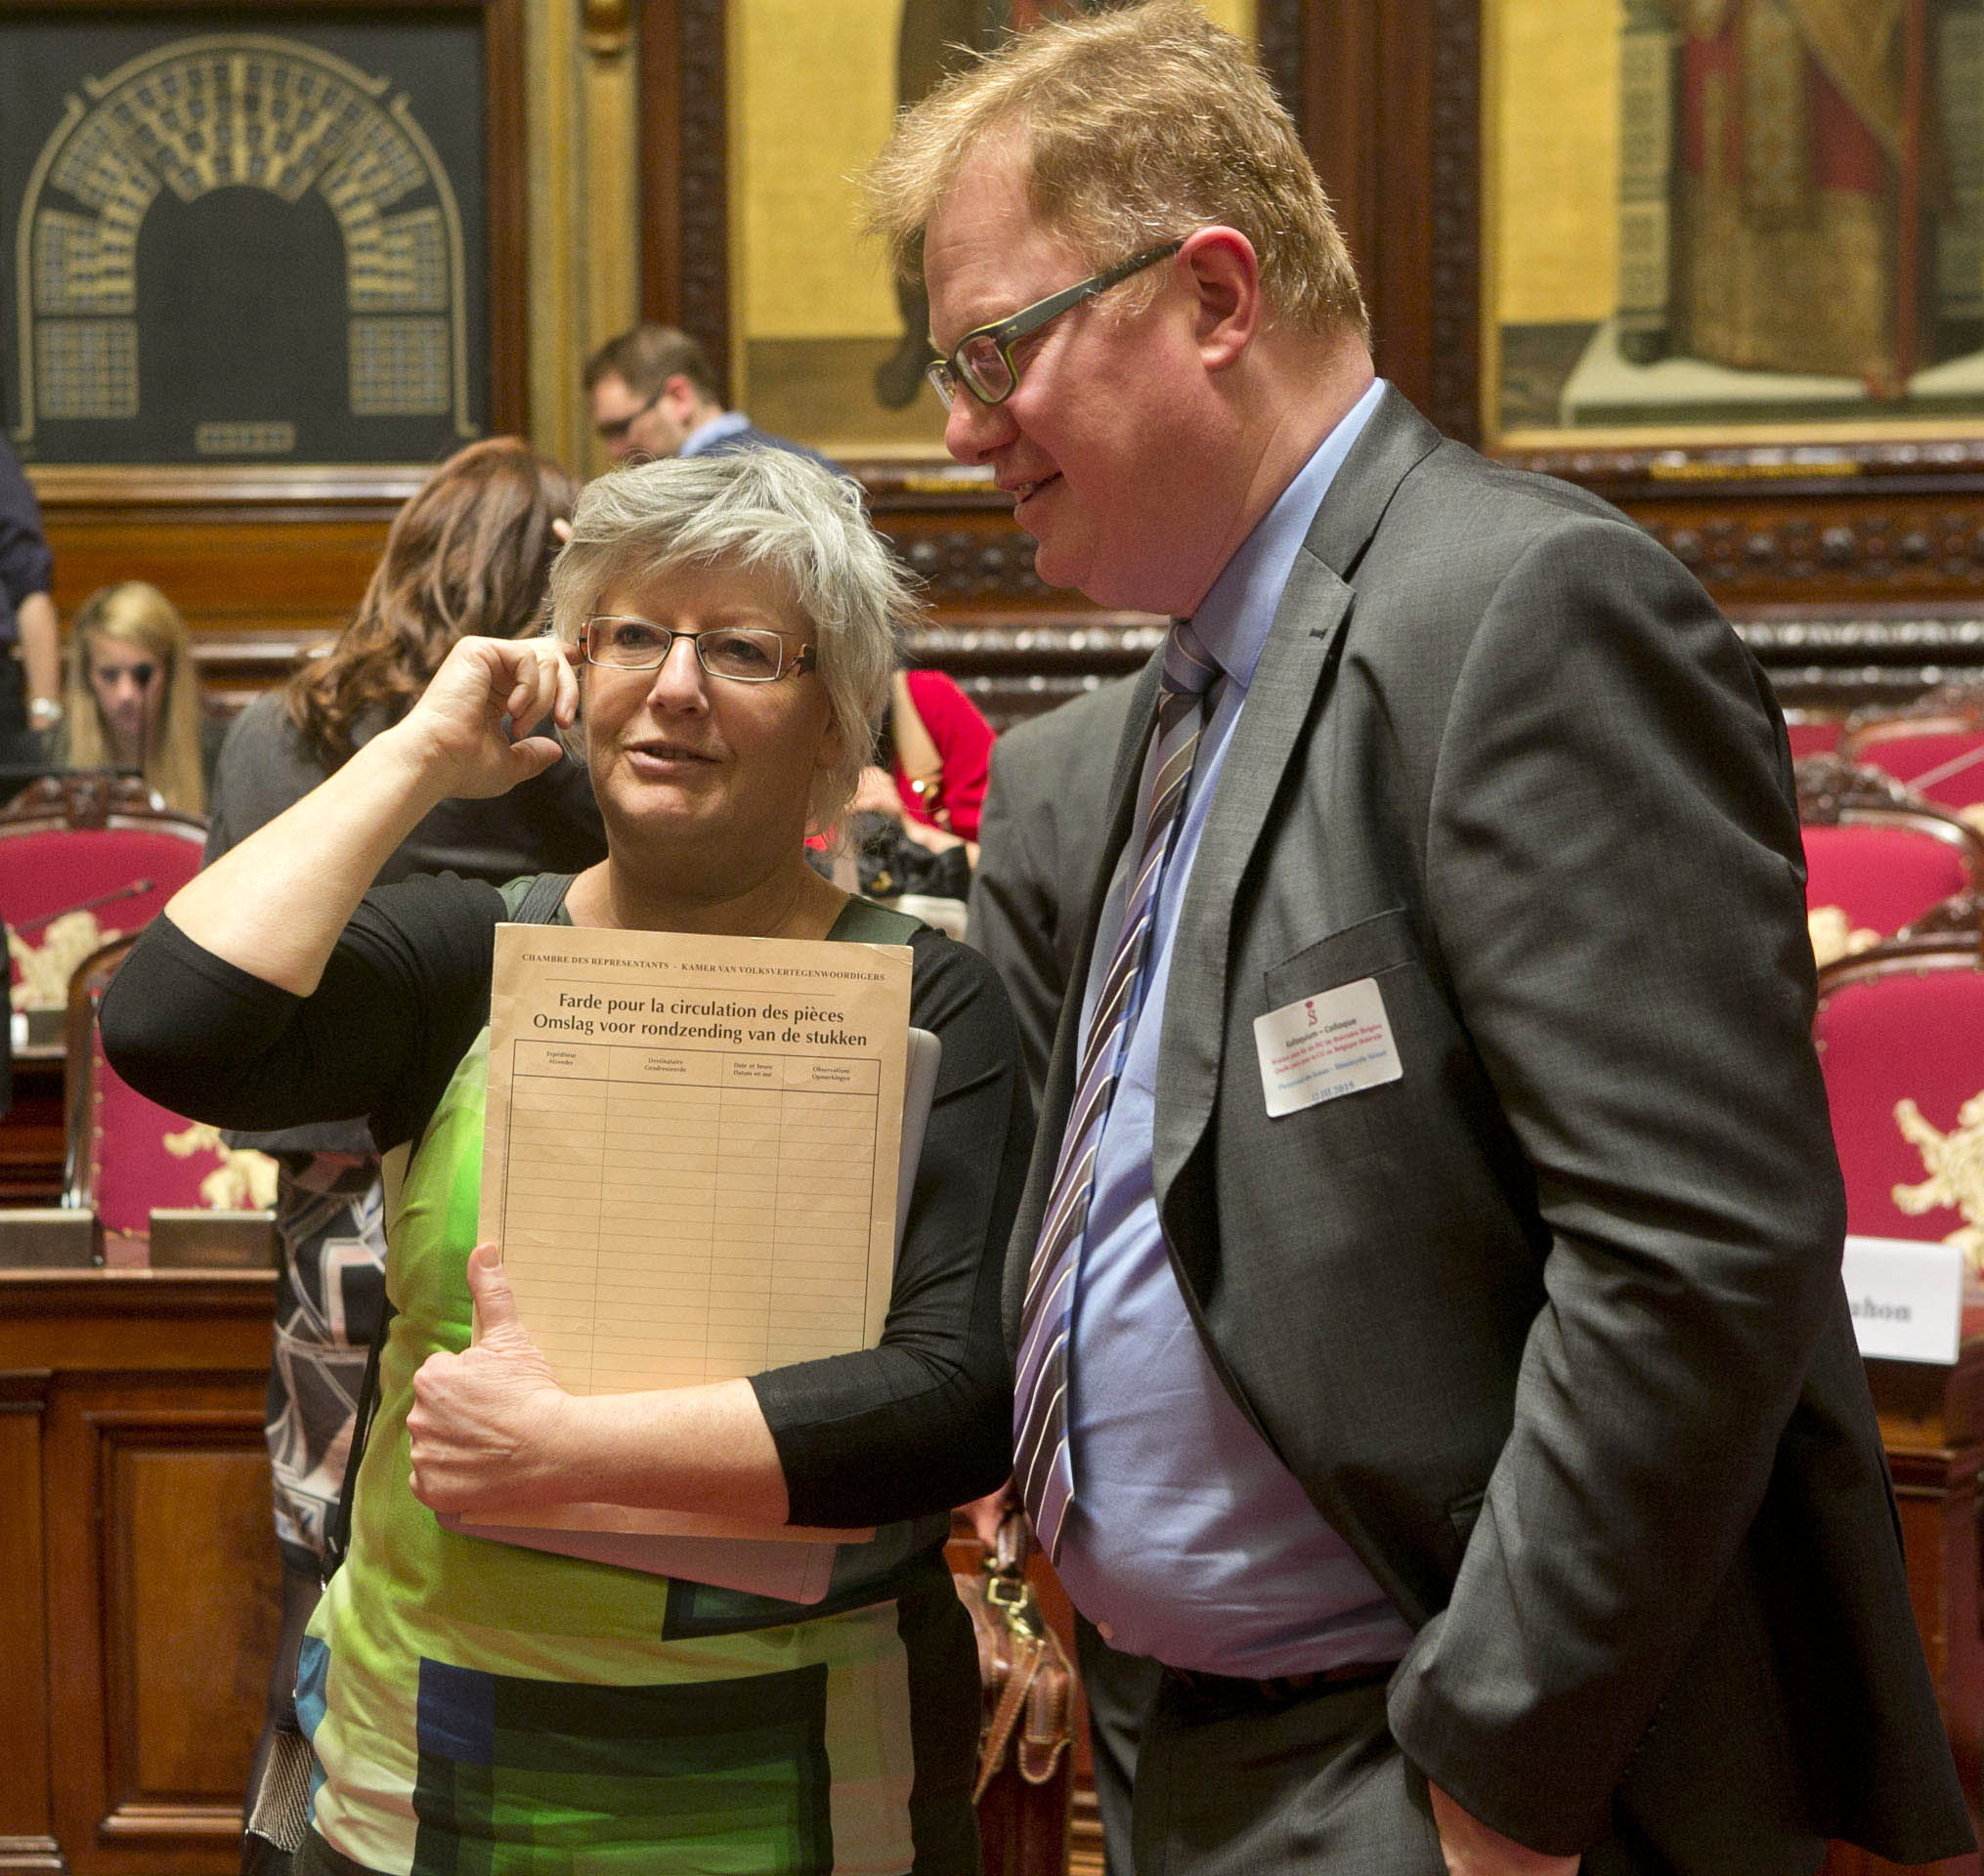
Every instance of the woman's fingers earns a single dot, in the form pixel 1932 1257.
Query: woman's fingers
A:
pixel 535 691
pixel 481 682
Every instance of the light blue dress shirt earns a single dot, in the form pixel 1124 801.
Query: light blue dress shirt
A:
pixel 1189 1539
pixel 727 423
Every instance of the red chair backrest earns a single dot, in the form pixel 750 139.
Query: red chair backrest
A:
pixel 1814 735
pixel 1882 875
pixel 1901 1044
pixel 1940 761
pixel 47 871
pixel 127 1154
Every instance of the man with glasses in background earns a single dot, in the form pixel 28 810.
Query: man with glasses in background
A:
pixel 1429 1336
pixel 652 394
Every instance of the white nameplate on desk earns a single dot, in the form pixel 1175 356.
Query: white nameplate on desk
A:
pixel 1907 1297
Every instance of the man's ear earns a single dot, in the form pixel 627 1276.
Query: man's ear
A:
pixel 1225 274
pixel 682 398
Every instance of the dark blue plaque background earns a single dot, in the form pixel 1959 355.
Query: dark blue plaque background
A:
pixel 241 297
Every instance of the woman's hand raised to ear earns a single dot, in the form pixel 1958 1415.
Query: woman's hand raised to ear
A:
pixel 488 692
pixel 276 904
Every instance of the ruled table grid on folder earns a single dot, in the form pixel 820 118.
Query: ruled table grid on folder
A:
pixel 688 1215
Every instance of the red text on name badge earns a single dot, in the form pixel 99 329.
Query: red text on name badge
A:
pixel 1322 1048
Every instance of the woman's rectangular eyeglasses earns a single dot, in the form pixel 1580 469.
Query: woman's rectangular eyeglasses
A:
pixel 982 362
pixel 744 654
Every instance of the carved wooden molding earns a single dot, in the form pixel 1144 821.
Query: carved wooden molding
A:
pixel 91 798
pixel 1453 232
pixel 704 296
pixel 1829 786
pixel 1088 644
pixel 41 1854
pixel 954 564
pixel 1930 549
pixel 1857 641
pixel 1651 468
pixel 245 487
pixel 1956 919
pixel 1280 35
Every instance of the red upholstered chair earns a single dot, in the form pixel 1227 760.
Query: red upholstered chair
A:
pixel 1813 733
pixel 1937 746
pixel 1901 1043
pixel 84 858
pixel 1877 856
pixel 127 1156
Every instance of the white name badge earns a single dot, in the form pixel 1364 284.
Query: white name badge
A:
pixel 1319 1048
pixel 1907 1297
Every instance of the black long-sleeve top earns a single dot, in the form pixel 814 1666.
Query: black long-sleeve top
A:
pixel 918 1423
pixel 26 564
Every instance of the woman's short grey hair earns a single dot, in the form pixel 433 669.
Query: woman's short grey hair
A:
pixel 770 513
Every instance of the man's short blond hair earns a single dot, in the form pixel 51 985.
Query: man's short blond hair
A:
pixel 1135 126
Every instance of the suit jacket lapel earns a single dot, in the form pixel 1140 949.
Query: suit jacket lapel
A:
pixel 1285 693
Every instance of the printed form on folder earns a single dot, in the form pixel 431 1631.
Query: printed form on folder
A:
pixel 691 1160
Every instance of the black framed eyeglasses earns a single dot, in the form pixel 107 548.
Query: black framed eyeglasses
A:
pixel 982 360
pixel 743 654
pixel 614 429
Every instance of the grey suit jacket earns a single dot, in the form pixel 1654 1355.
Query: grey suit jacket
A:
pixel 1040 855
pixel 1550 1329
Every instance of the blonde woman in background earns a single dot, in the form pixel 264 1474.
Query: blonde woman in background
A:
pixel 131 699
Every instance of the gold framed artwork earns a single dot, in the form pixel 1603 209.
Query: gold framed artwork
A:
pixel 823 346
pixel 1731 222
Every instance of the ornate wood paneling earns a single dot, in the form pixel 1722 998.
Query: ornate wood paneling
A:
pixel 509 269
pixel 246 554
pixel 185 1548
pixel 685 193
pixel 27 1823
pixel 139 1617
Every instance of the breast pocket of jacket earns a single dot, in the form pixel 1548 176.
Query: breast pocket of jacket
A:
pixel 1335 1043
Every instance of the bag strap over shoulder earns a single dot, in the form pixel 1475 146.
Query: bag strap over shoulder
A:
pixel 532 901
pixel 863 923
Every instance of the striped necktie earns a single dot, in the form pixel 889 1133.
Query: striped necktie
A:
pixel 1041 1466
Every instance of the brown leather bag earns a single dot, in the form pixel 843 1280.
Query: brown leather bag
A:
pixel 1026 1779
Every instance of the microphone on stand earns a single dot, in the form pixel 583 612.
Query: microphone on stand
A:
pixel 135 891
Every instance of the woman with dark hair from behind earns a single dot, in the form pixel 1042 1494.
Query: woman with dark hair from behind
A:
pixel 468 556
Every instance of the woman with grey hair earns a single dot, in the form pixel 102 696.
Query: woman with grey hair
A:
pixel 724 631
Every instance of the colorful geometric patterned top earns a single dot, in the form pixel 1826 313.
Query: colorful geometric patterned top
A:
pixel 473 1705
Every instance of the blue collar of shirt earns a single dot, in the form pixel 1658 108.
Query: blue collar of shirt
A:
pixel 726 424
pixel 1233 618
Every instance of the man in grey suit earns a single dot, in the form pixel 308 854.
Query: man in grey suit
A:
pixel 1429 1343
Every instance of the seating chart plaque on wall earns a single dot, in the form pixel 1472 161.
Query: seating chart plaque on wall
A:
pixel 242 236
